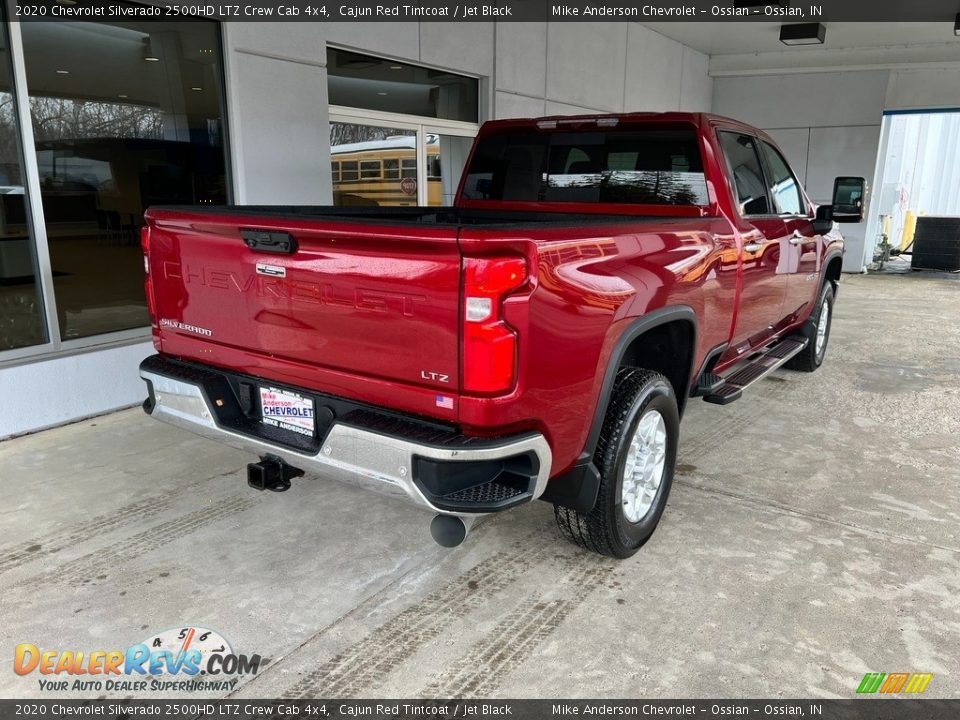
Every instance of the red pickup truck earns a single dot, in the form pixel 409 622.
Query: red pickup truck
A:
pixel 538 339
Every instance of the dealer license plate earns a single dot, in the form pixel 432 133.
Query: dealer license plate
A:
pixel 287 410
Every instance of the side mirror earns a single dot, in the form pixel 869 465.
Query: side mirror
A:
pixel 848 197
pixel 823 223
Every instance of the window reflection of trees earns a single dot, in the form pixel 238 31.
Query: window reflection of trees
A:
pixel 65 119
pixel 651 187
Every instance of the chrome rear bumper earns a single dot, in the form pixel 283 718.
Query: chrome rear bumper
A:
pixel 357 456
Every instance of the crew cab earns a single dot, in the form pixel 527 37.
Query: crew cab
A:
pixel 538 339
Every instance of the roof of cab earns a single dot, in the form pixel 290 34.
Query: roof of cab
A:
pixel 696 119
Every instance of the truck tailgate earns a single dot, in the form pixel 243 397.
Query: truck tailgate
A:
pixel 352 308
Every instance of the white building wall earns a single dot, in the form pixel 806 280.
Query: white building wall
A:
pixel 570 68
pixel 42 394
pixel 923 88
pixel 276 113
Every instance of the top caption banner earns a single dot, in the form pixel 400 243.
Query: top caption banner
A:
pixel 785 11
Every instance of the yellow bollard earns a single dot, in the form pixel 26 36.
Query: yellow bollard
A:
pixel 909 228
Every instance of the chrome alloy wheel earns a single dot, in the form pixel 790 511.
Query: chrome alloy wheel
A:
pixel 822 327
pixel 643 471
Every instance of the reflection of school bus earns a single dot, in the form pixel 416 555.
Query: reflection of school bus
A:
pixel 384 172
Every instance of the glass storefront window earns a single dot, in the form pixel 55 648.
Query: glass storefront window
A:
pixel 21 300
pixel 371 83
pixel 125 115
pixel 378 165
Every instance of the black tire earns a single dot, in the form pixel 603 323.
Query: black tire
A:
pixel 606 529
pixel 808 359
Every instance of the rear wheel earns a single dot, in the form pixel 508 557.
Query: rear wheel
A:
pixel 635 455
pixel 817 332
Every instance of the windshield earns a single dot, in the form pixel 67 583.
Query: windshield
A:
pixel 655 167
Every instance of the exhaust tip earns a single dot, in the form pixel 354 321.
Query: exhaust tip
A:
pixel 448 530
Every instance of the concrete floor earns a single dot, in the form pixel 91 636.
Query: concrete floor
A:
pixel 813 535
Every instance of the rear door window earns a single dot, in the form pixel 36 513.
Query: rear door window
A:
pixel 656 167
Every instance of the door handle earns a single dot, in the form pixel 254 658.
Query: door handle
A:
pixel 751 247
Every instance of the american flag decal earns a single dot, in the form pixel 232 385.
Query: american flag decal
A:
pixel 444 402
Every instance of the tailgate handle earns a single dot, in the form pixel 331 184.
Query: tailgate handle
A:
pixel 268 241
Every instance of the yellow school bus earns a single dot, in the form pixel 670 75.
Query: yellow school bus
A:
pixel 384 172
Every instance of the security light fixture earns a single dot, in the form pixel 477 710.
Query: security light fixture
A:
pixel 803 34
pixel 63 72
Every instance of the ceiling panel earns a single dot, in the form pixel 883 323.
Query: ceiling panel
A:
pixel 735 38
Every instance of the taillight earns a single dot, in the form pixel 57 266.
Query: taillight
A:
pixel 148 281
pixel 489 344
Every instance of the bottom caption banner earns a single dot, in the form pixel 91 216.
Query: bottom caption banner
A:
pixel 892 709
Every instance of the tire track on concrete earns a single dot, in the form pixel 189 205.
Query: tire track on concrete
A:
pixel 480 670
pixel 14 556
pixel 366 664
pixel 733 421
pixel 774 507
pixel 698 446
pixel 99 564
pixel 135 578
pixel 28 551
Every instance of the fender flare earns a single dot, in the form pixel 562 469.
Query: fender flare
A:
pixel 577 489
pixel 829 258
pixel 635 329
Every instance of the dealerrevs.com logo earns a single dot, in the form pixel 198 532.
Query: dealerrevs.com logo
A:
pixel 188 658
